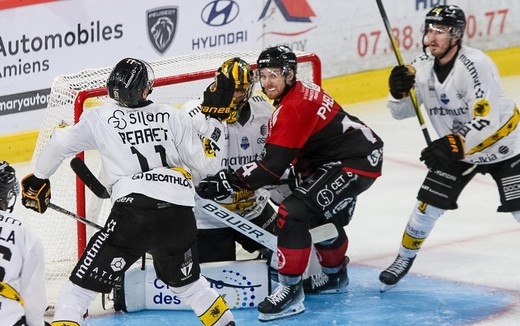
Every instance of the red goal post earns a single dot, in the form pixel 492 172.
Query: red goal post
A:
pixel 177 80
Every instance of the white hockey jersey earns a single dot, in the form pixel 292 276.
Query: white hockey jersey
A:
pixel 22 268
pixel 470 102
pixel 245 143
pixel 145 150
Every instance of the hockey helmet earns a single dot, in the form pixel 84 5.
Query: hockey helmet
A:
pixel 128 80
pixel 9 187
pixel 447 15
pixel 277 57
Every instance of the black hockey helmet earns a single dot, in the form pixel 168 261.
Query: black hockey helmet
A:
pixel 277 57
pixel 240 71
pixel 9 187
pixel 128 80
pixel 447 15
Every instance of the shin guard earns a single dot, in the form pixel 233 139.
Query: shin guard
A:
pixel 420 224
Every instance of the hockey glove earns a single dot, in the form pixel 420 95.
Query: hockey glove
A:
pixel 443 151
pixel 218 97
pixel 218 186
pixel 402 79
pixel 36 193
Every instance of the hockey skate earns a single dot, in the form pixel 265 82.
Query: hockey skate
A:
pixel 395 272
pixel 327 283
pixel 285 301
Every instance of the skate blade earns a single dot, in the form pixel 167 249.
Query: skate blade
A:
pixel 386 287
pixel 340 290
pixel 291 311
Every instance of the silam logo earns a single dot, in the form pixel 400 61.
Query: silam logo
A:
pixel 220 12
pixel 162 25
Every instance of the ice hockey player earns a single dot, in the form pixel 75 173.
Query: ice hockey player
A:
pixel 477 123
pixel 151 191
pixel 22 261
pixel 338 156
pixel 245 122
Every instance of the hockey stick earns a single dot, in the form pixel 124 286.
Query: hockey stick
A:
pixel 254 232
pixel 397 52
pixel 231 219
pixel 74 216
pixel 413 97
pixel 91 182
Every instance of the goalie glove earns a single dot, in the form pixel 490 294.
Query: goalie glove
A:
pixel 36 193
pixel 218 97
pixel 401 81
pixel 218 186
pixel 443 151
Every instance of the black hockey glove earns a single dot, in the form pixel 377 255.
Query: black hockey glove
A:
pixel 443 151
pixel 402 79
pixel 36 193
pixel 218 97
pixel 218 186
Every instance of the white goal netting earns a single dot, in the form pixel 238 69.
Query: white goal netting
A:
pixel 178 80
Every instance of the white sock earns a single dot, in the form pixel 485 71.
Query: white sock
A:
pixel 420 224
pixel 203 300
pixel 73 302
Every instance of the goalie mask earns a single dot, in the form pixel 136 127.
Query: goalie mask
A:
pixel 128 81
pixel 9 188
pixel 241 72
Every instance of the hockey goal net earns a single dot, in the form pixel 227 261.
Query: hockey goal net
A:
pixel 177 80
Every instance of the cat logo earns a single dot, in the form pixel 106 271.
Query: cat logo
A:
pixel 481 108
pixel 162 25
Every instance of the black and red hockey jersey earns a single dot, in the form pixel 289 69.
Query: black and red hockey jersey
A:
pixel 308 128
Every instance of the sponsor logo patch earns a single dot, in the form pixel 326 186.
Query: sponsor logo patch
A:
pixel 162 25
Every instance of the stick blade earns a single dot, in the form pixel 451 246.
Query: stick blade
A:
pixel 83 172
pixel 324 232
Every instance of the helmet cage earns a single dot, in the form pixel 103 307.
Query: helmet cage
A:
pixel 9 187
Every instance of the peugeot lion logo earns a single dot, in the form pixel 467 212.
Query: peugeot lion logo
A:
pixel 162 25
